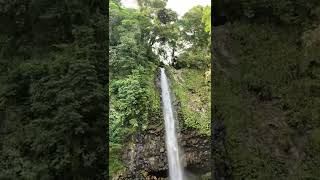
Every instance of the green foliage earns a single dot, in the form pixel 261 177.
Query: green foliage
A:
pixel 131 99
pixel 134 99
pixel 280 70
pixel 128 43
pixel 194 24
pixel 161 27
pixel 166 16
pixel 195 58
pixel 194 27
pixel 116 167
pixel 289 12
pixel 193 92
pixel 191 80
pixel 52 99
pixel 206 19
pixel 63 96
pixel 152 3
pixel 259 72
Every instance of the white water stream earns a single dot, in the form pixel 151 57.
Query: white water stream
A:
pixel 173 152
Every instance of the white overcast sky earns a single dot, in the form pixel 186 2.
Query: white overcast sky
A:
pixel 180 6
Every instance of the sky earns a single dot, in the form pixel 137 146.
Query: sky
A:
pixel 180 6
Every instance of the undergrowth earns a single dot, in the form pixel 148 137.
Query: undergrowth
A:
pixel 194 93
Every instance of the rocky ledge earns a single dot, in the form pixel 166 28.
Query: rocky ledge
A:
pixel 145 155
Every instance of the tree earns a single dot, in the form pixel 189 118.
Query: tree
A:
pixel 157 4
pixel 194 27
pixel 206 18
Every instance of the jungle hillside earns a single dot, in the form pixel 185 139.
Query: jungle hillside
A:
pixel 53 89
pixel 141 41
pixel 266 89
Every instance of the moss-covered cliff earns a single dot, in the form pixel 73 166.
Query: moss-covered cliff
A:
pixel 265 92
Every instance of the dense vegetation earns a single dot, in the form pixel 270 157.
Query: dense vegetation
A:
pixel 192 72
pixel 269 98
pixel 139 38
pixel 52 93
pixel 134 98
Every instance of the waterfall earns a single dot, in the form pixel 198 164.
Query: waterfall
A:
pixel 175 168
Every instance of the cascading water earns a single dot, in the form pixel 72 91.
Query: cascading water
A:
pixel 175 168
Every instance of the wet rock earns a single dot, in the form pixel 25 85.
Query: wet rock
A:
pixel 159 129
pixel 153 157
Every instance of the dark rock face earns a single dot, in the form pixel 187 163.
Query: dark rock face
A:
pixel 221 159
pixel 196 148
pixel 153 151
pixel 153 161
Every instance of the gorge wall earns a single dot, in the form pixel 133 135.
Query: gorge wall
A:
pixel 145 153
